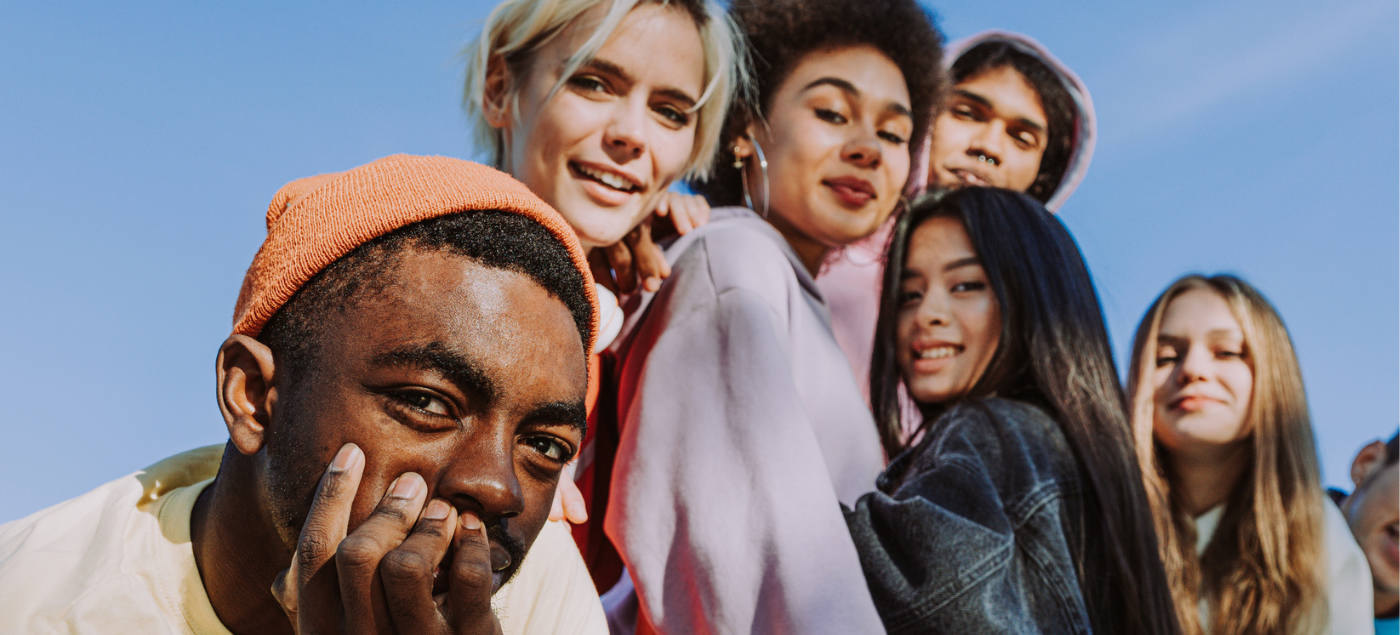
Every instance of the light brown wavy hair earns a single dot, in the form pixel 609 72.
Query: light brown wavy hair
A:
pixel 1263 570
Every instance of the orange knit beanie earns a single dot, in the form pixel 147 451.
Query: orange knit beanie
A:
pixel 313 221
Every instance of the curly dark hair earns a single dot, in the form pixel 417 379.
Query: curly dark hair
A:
pixel 1060 111
pixel 781 32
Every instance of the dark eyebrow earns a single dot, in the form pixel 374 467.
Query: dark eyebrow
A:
pixel 849 88
pixel 610 68
pixel 986 103
pixel 435 356
pixel 569 413
pixel 963 262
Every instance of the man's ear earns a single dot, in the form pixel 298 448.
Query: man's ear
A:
pixel 1368 461
pixel 496 97
pixel 247 391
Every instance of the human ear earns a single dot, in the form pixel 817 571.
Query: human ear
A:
pixel 247 392
pixel 743 146
pixel 496 96
pixel 1367 461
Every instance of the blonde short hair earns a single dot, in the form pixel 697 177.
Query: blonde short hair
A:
pixel 516 29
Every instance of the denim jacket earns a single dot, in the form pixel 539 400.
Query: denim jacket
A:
pixel 978 528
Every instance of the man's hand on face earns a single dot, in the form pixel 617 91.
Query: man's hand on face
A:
pixel 380 578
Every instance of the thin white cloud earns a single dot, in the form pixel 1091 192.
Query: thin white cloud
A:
pixel 1239 49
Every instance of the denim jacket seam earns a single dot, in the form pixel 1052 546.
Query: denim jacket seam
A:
pixel 938 599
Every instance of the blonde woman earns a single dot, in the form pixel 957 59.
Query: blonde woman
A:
pixel 1223 433
pixel 598 106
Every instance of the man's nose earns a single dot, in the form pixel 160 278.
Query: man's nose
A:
pixel 989 142
pixel 481 477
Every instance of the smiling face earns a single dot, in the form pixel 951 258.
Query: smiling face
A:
pixel 993 133
pixel 606 146
pixel 837 145
pixel 1203 377
pixel 455 371
pixel 949 323
pixel 1373 513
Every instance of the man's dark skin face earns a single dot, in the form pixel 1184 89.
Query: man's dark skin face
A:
pixel 464 383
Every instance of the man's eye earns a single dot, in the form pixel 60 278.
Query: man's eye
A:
pixel 964 112
pixel 830 116
pixel 551 448
pixel 424 402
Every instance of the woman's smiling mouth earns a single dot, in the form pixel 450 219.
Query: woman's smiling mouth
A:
pixel 608 178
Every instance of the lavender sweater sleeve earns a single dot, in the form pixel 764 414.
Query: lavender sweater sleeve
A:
pixel 742 429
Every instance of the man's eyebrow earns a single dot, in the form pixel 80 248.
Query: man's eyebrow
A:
pixel 571 413
pixel 893 107
pixel 686 99
pixel 435 356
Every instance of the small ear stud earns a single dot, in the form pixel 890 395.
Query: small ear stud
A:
pixel 738 161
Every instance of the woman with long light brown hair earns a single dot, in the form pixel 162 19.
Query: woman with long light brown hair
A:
pixel 1223 433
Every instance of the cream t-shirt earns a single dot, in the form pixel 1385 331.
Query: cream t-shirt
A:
pixel 119 560
pixel 1349 596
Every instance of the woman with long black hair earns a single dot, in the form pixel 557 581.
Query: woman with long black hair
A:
pixel 1018 507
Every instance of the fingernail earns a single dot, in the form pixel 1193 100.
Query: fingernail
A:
pixel 345 457
pixel 437 510
pixel 406 486
pixel 653 284
pixel 470 522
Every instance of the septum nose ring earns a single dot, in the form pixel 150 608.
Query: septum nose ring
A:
pixel 982 158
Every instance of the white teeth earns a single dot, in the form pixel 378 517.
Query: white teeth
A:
pixel 607 178
pixel 938 353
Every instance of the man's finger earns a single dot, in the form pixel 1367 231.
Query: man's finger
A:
pixel 469 587
pixel 284 589
pixel 358 559
pixel 410 570
pixel 314 597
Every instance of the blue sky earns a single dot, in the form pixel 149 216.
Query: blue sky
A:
pixel 140 144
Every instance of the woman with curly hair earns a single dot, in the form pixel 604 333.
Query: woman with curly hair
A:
pixel 742 428
pixel 1224 437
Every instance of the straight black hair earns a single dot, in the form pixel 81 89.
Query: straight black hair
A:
pixel 1054 352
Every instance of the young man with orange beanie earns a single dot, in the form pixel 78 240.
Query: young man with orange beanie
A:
pixel 404 382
